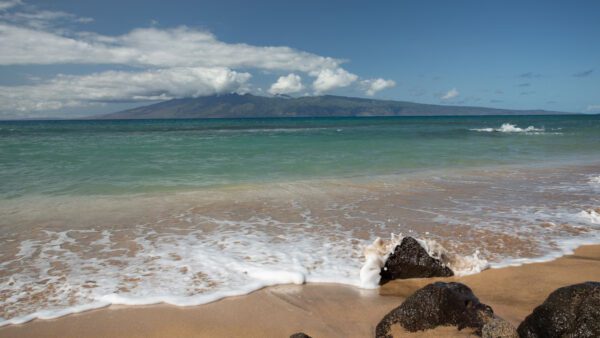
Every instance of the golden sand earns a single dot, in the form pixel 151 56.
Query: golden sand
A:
pixel 317 309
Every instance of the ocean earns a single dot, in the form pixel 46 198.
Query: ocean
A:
pixel 186 212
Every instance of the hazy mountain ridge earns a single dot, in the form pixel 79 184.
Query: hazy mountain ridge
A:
pixel 247 105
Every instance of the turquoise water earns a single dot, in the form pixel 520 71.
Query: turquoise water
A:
pixel 92 214
pixel 114 157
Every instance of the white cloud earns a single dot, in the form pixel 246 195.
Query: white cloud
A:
pixel 6 4
pixel 31 16
pixel 170 62
pixel 328 79
pixel 375 85
pixel 42 19
pixel 150 47
pixel 452 93
pixel 162 84
pixel 289 84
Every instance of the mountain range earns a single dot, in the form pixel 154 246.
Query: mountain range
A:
pixel 251 106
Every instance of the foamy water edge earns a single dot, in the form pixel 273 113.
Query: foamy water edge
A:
pixel 379 248
pixel 375 254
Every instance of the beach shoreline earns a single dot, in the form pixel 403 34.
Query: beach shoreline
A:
pixel 320 310
pixel 190 213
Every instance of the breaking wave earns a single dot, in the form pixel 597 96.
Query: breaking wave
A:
pixel 378 252
pixel 594 182
pixel 511 128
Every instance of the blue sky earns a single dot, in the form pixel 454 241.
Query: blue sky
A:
pixel 72 58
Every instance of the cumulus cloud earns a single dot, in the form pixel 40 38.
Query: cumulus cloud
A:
pixel 174 47
pixel 452 93
pixel 157 52
pixel 114 86
pixel 289 84
pixel 167 62
pixel 328 79
pixel 6 4
pixel 374 85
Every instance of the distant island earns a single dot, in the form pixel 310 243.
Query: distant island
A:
pixel 247 105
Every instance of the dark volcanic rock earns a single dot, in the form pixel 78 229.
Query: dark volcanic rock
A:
pixel 410 260
pixel 437 304
pixel 300 335
pixel 571 311
pixel 497 327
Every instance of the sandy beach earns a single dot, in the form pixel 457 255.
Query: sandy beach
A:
pixel 285 168
pixel 320 310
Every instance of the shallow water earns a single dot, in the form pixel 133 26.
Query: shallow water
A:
pixel 111 157
pixel 186 212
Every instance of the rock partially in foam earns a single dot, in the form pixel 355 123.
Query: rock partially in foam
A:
pixel 375 257
pixel 411 260
pixel 438 304
pixel 571 311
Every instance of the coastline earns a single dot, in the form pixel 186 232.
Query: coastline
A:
pixel 320 310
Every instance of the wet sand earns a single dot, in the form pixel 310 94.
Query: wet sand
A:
pixel 172 246
pixel 320 310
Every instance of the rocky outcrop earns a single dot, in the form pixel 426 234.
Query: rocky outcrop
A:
pixel 300 335
pixel 438 304
pixel 571 311
pixel 411 260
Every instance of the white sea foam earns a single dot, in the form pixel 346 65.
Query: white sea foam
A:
pixel 594 182
pixel 590 216
pixel 587 221
pixel 565 247
pixel 182 269
pixel 511 128
pixel 192 268
pixel 196 268
pixel 375 256
pixel 378 252
pixel 200 259
pixel 460 265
